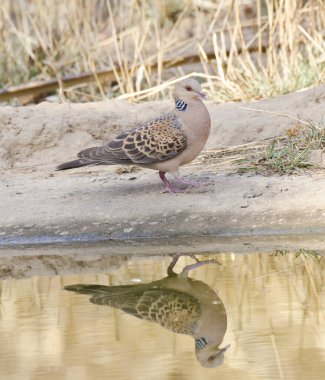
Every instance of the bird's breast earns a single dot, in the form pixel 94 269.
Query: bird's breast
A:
pixel 196 123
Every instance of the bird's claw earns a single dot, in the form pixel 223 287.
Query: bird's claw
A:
pixel 188 268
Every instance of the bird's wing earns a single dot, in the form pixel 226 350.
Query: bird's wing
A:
pixel 154 141
pixel 177 311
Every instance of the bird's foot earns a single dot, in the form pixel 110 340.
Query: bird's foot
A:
pixel 198 264
pixel 185 271
pixel 169 188
pixel 173 190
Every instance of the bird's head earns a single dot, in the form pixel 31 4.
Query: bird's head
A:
pixel 188 89
pixel 210 356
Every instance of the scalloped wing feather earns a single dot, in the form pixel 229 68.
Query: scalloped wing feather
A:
pixel 174 310
pixel 156 140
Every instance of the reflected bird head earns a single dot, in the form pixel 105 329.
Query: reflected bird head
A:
pixel 210 356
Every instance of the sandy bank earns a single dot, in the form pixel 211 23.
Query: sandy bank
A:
pixel 127 213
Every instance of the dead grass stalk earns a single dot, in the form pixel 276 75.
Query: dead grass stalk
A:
pixel 245 50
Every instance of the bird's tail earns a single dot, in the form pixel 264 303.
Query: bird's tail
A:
pixel 115 296
pixel 86 288
pixel 74 164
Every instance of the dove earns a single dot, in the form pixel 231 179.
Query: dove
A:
pixel 177 302
pixel 164 143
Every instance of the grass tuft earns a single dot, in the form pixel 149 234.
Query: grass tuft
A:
pixel 299 150
pixel 300 253
pixel 289 154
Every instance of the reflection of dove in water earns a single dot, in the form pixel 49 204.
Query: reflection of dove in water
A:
pixel 177 302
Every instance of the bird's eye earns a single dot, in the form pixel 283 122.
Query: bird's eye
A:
pixel 188 88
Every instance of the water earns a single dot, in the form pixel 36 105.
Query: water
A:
pixel 276 324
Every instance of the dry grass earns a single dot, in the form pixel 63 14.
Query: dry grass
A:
pixel 243 50
pixel 301 148
pixel 300 253
pixel 292 152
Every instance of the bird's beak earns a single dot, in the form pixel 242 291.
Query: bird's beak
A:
pixel 202 95
pixel 224 349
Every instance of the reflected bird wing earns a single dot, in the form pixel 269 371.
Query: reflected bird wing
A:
pixel 177 311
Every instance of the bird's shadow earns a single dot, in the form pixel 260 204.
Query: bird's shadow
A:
pixel 135 185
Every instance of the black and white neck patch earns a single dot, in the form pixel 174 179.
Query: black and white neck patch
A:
pixel 181 105
pixel 200 343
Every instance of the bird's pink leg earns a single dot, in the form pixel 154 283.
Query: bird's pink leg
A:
pixel 170 269
pixel 168 185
